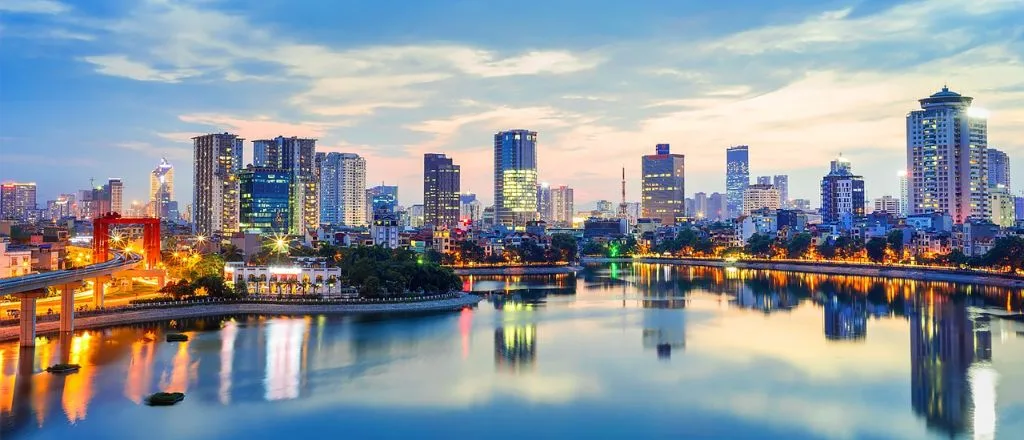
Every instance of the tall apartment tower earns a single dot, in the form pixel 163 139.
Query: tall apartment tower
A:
pixel 998 169
pixel 217 158
pixel 561 206
pixel 947 155
pixel 161 189
pixel 842 195
pixel 904 193
pixel 115 186
pixel 544 202
pixel 17 201
pixel 737 178
pixel 342 189
pixel 297 156
pixel 662 192
pixel 781 183
pixel 515 177
pixel 441 179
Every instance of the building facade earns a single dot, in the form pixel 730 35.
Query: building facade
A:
pixel 265 200
pixel 217 160
pixel 17 201
pixel 515 177
pixel 663 188
pixel 998 169
pixel 947 142
pixel 737 178
pixel 781 183
pixel 758 197
pixel 381 198
pixel 470 209
pixel 161 190
pixel 904 193
pixel 1003 206
pixel 297 156
pixel 544 202
pixel 441 180
pixel 342 189
pixel 887 204
pixel 842 194
pixel 561 206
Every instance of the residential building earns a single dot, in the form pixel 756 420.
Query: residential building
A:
pixel 17 201
pixel 265 200
pixel 663 189
pixel 781 183
pixel 297 156
pixel 802 204
pixel 161 189
pixel 887 204
pixel 115 188
pixel 14 262
pixel 758 197
pixel 342 189
pixel 904 193
pixel 441 180
pixel 737 178
pixel 416 217
pixel 947 143
pixel 1003 206
pixel 842 195
pixel 385 229
pixel 998 169
pixel 217 159
pixel 470 209
pixel 561 206
pixel 515 177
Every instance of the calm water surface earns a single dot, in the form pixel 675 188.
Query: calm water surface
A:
pixel 619 351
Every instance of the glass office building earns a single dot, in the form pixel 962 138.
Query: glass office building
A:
pixel 265 200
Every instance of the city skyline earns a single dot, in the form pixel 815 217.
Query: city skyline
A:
pixel 455 86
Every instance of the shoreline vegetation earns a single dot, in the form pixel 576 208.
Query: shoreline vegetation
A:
pixel 919 273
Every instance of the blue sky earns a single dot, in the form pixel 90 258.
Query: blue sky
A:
pixel 104 88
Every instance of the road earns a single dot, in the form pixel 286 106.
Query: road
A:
pixel 139 290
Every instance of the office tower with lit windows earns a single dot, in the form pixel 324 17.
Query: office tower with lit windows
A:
pixel 947 155
pixel 297 156
pixel 265 200
pixel 515 177
pixel 342 189
pixel 17 201
pixel 544 202
pixel 662 191
pixel 381 198
pixel 758 197
pixel 161 189
pixel 115 190
pixel 781 183
pixel 217 160
pixel 904 193
pixel 737 178
pixel 561 206
pixel 842 195
pixel 998 169
pixel 441 178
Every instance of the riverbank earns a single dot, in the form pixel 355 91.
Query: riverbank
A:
pixel 920 274
pixel 516 270
pixel 9 333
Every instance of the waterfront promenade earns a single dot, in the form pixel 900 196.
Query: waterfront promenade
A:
pixel 921 273
pixel 195 309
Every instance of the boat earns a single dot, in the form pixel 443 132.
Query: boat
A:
pixel 63 368
pixel 164 399
pixel 177 337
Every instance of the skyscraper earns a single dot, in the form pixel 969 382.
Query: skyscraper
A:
pixel 381 198
pixel 764 180
pixel 297 156
pixel 842 195
pixel 717 207
pixel 662 193
pixel 737 177
pixel 217 158
pixel 17 201
pixel 998 169
pixel 115 189
pixel 161 189
pixel 561 206
pixel 544 202
pixel 342 189
pixel 265 200
pixel 904 193
pixel 441 179
pixel 515 177
pixel 947 143
pixel 700 205
pixel 470 209
pixel 781 183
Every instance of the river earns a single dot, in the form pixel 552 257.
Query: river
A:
pixel 617 351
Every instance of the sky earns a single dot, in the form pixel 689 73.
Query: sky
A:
pixel 104 88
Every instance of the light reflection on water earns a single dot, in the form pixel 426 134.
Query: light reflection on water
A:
pixel 619 351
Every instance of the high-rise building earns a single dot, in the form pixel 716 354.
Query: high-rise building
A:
pixel 544 202
pixel 63 207
pixel 717 207
pixel 217 159
pixel 515 177
pixel 757 197
pixel 561 206
pixel 737 178
pixel 470 209
pixel 298 157
pixel 662 193
pixel 115 188
pixel 161 189
pixel 842 194
pixel 265 200
pixel 381 198
pixel 1018 207
pixel 342 189
pixel 802 204
pixel 947 142
pixel 17 201
pixel 998 169
pixel 781 183
pixel 441 178
pixel 764 180
pixel 904 193
pixel 1004 211
pixel 887 204
pixel 700 205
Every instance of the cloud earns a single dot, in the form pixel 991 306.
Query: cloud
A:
pixel 257 127
pixel 154 151
pixel 120 65
pixel 35 159
pixel 33 6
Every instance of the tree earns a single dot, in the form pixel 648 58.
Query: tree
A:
pixel 594 248
pixel 371 287
pixel 213 285
pixel 760 245
pixel 895 240
pixel 1006 252
pixel 564 246
pixel 208 265
pixel 231 253
pixel 798 245
pixel 875 248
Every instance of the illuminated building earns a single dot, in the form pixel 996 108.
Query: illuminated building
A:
pixel 662 191
pixel 342 189
pixel 998 169
pixel 115 188
pixel 296 156
pixel 1003 206
pixel 384 229
pixel 470 209
pixel 441 179
pixel 737 178
pixel 515 177
pixel 758 197
pixel 561 206
pixel 161 190
pixel 265 200
pixel 381 197
pixel 842 195
pixel 947 143
pixel 17 201
pixel 238 272
pixel 14 262
pixel 544 202
pixel 218 158
pixel 781 183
